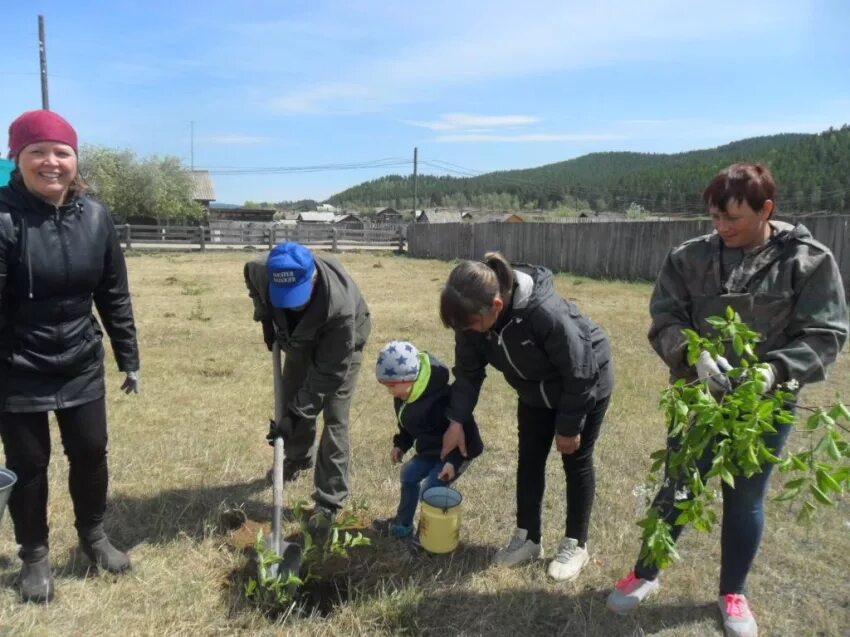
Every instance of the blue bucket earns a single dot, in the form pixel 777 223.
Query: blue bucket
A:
pixel 7 483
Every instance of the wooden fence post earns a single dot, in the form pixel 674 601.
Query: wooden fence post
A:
pixel 400 241
pixel 127 239
pixel 334 246
pixel 272 229
pixel 203 237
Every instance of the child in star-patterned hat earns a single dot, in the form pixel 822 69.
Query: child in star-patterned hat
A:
pixel 419 385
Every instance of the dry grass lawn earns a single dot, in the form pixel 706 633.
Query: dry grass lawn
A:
pixel 192 445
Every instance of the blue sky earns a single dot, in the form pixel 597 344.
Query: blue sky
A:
pixel 476 84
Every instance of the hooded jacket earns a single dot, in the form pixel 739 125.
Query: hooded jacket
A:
pixel 56 264
pixel 548 351
pixel 789 290
pixel 335 324
pixel 422 417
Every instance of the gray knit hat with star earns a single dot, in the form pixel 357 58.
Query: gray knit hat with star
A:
pixel 397 362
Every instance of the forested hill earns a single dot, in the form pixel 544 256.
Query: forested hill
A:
pixel 812 173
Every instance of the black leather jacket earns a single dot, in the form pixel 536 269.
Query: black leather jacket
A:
pixel 56 264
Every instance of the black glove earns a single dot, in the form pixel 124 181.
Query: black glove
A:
pixel 268 333
pixel 283 429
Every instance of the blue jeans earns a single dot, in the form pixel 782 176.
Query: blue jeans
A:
pixel 743 517
pixel 417 476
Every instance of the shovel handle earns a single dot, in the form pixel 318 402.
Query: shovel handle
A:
pixel 277 468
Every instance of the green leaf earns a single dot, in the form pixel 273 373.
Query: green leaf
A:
pixel 716 322
pixel 813 422
pixel 738 344
pixel 805 514
pixel 730 313
pixel 787 494
pixel 833 451
pixel 827 483
pixel 820 496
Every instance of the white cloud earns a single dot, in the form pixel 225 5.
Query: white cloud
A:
pixel 526 138
pixel 462 121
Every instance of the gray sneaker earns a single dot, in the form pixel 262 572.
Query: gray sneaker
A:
pixel 629 592
pixel 519 550
pixel 570 558
pixel 738 620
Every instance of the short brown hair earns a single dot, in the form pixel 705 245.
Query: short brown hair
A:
pixel 752 183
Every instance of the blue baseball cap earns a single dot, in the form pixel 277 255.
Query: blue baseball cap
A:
pixel 290 266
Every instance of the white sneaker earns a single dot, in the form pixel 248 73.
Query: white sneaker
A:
pixel 519 550
pixel 629 592
pixel 570 558
pixel 738 620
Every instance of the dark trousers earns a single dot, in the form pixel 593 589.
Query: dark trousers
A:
pixel 743 517
pixel 26 441
pixel 536 429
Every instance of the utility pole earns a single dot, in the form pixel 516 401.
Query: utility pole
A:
pixel 192 145
pixel 415 179
pixel 42 54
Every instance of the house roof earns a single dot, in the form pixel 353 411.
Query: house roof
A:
pixel 348 218
pixel 441 216
pixel 202 186
pixel 317 217
pixel 498 218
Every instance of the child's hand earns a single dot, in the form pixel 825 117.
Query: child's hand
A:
pixel 396 455
pixel 447 473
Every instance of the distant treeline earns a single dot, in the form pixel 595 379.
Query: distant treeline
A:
pixel 812 173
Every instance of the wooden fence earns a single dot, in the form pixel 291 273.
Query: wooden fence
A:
pixel 628 250
pixel 333 237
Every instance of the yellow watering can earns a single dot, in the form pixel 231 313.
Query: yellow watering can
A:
pixel 439 520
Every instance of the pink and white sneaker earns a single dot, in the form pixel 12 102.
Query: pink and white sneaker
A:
pixel 629 592
pixel 738 620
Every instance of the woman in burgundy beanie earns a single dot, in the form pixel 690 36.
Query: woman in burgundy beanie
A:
pixel 59 259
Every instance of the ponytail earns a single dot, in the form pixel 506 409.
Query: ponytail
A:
pixel 472 287
pixel 504 273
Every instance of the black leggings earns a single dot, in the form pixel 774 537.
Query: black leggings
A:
pixel 26 441
pixel 536 426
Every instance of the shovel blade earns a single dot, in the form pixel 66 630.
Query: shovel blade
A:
pixel 291 557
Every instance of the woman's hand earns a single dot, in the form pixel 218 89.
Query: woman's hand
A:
pixel 447 473
pixel 396 455
pixel 453 439
pixel 567 445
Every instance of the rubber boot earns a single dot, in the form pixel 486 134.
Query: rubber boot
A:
pixel 36 578
pixel 99 549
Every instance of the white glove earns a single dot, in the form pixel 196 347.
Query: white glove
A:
pixel 765 375
pixel 713 372
pixel 132 384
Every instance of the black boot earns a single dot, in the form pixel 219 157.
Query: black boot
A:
pixel 36 578
pixel 100 551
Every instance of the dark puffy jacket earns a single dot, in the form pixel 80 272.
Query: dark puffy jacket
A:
pixel 422 418
pixel 548 351
pixel 56 264
pixel 335 325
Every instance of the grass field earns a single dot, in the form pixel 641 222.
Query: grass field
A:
pixel 192 445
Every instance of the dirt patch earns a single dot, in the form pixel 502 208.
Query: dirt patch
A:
pixel 246 535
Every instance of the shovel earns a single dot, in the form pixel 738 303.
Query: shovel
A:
pixel 289 552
